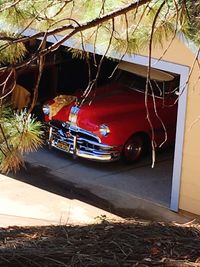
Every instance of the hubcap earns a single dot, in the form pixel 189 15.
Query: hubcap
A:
pixel 133 149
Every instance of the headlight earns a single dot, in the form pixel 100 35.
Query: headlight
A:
pixel 46 109
pixel 104 130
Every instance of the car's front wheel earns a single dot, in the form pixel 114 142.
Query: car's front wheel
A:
pixel 134 148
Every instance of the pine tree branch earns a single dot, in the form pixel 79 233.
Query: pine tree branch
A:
pixel 76 27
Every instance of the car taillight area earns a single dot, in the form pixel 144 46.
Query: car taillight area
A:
pixel 79 142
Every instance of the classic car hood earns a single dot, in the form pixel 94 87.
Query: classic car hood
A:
pixel 105 104
pixel 108 103
pixel 114 98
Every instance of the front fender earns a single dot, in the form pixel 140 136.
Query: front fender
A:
pixel 123 127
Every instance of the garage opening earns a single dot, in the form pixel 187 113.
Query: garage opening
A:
pixel 155 185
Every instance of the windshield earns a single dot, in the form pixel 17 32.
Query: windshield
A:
pixel 136 82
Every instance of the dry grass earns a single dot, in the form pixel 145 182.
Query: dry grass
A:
pixel 104 244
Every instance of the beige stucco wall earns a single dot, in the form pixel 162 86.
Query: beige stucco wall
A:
pixel 190 176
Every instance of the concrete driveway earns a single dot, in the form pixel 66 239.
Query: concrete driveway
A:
pixel 22 204
pixel 117 187
pixel 139 179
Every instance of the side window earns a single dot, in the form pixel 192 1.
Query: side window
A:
pixel 158 88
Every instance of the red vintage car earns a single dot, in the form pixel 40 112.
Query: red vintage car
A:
pixel 117 120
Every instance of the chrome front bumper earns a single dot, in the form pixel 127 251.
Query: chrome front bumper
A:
pixel 80 143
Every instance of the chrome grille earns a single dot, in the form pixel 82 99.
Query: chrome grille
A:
pixel 79 142
pixel 67 131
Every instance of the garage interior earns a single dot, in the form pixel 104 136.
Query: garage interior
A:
pixel 64 74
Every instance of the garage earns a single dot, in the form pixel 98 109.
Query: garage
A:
pixel 175 155
pixel 138 179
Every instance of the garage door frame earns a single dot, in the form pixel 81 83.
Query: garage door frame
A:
pixel 183 71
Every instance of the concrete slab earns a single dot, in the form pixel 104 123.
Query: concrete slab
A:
pixel 144 182
pixel 138 179
pixel 23 204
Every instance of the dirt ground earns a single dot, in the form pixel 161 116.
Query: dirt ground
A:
pixel 104 244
